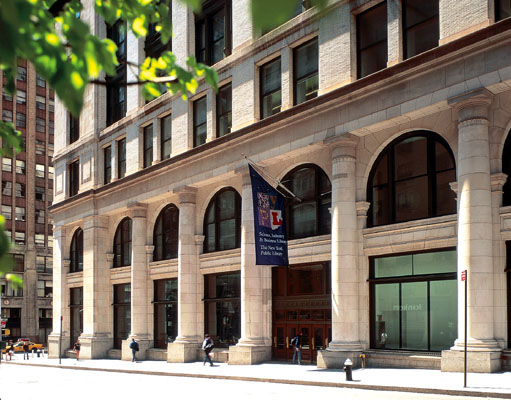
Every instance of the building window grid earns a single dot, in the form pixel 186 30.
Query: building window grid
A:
pixel 74 128
pixel 40 81
pixel 107 160
pixel 6 164
pixel 19 238
pixel 21 96
pixel 6 96
pixel 21 120
pixel 121 158
pixel 306 76
pixel 116 88
pixel 7 212
pixel 74 178
pixel 21 74
pixel 44 289
pixel 148 145
pixel 199 121
pixel 40 102
pixel 421 28
pixel 122 244
pixel 224 110
pixel 19 189
pixel 166 137
pixel 166 234
pixel 39 239
pixel 39 193
pixel 40 170
pixel 7 188
pixel 502 9
pixel 7 115
pixel 270 88
pixel 20 167
pixel 76 252
pixel 20 214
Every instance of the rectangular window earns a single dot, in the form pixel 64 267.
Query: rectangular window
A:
pixel 44 289
pixel 224 110
pixel 116 90
pixel 7 115
pixel 6 96
pixel 39 216
pixel 39 80
pixel 39 239
pixel 213 34
pixel 51 172
pixel 166 137
pixel 502 9
pixel 51 126
pixel 21 96
pixel 19 262
pixel 122 313
pixel 40 125
pixel 7 212
pixel 19 238
pixel 271 100
pixel 121 158
pixel 372 40
pixel 420 26
pixel 20 167
pixel 40 148
pixel 21 74
pixel 21 120
pixel 107 160
pixel 74 178
pixel 39 171
pixel 51 107
pixel 76 313
pixel 8 290
pixel 19 189
pixel 148 146
pixel 40 102
pixel 50 242
pixel 199 121
pixel 39 193
pixel 6 188
pixel 305 61
pixel 21 214
pixel 165 312
pixel 153 44
pixel 6 164
pixel 74 128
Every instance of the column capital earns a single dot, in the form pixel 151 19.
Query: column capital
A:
pixel 137 210
pixel 362 208
pixel 497 181
pixel 66 262
pixel 110 258
pixel 472 105
pixel 344 141
pixel 454 186
pixel 149 249
pixel 95 221
pixel 186 194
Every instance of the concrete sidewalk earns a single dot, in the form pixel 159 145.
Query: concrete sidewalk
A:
pixel 496 385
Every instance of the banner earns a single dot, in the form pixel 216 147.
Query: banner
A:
pixel 269 226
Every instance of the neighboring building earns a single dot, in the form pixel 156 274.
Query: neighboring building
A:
pixel 388 119
pixel 27 191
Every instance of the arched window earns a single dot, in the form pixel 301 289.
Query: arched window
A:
pixel 166 234
pixel 122 244
pixel 76 251
pixel 222 221
pixel 308 216
pixel 506 168
pixel 410 180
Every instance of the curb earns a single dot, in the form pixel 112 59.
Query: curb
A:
pixel 449 392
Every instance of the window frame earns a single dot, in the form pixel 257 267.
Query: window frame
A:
pixel 296 78
pixel 407 29
pixel 164 121
pixel 76 252
pixel 164 218
pixel 221 112
pixel 74 178
pixel 116 93
pixel 74 127
pixel 121 161
pixel 264 93
pixel 147 145
pixel 123 244
pixel 196 125
pixel 107 164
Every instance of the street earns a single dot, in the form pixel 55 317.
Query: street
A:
pixel 18 382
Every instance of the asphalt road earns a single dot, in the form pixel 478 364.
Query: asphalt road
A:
pixel 18 382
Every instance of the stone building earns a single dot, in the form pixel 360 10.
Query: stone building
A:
pixel 27 191
pixel 389 120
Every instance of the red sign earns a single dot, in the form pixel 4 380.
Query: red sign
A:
pixel 464 275
pixel 3 324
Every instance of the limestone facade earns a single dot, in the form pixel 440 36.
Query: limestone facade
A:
pixel 456 94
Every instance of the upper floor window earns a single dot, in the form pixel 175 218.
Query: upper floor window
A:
pixel 502 9
pixel 222 222
pixel 166 234
pixel 148 146
pixel 44 264
pixel 20 214
pixel 421 29
pixel 39 170
pixel 122 244
pixel 40 125
pixel 6 188
pixel 19 189
pixel 76 253
pixel 21 120
pixel 44 288
pixel 301 6
pixel 506 168
pixel 305 63
pixel 410 180
pixel 6 164
pixel 40 102
pixel 74 128
pixel 21 96
pixel 166 137
pixel 39 193
pixel 116 85
pixel 107 168
pixel 21 74
pixel 213 34
pixel 7 115
pixel 372 40
pixel 121 158
pixel 19 262
pixel 224 110
pixel 20 167
pixel 39 216
pixel 7 212
pixel 271 90
pixel 199 121
pixel 6 96
pixel 310 215
pixel 19 238
pixel 74 177
pixel 39 80
pixel 153 45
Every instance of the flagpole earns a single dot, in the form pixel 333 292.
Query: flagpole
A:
pixel 275 181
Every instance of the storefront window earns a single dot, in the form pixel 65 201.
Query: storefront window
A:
pixel 76 311
pixel 222 308
pixel 122 313
pixel 165 312
pixel 414 301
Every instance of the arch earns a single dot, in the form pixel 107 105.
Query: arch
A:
pixel 410 180
pixel 310 216
pixel 222 221
pixel 166 233
pixel 122 243
pixel 76 251
pixel 506 169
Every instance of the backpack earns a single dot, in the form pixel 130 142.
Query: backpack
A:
pixel 294 341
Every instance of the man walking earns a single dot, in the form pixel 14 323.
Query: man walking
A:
pixel 296 342
pixel 25 350
pixel 134 348
pixel 207 346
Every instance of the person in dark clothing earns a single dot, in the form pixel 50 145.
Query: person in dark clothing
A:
pixel 25 350
pixel 207 346
pixel 76 349
pixel 134 348
pixel 296 342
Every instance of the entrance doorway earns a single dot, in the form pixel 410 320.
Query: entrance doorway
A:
pixel 301 303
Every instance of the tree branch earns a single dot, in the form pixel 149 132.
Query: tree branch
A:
pixel 57 7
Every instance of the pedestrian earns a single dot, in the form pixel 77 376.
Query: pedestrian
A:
pixel 134 348
pixel 296 342
pixel 25 350
pixel 207 346
pixel 10 351
pixel 76 349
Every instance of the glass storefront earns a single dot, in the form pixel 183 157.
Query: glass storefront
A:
pixel 122 313
pixel 222 308
pixel 414 301
pixel 165 312
pixel 76 311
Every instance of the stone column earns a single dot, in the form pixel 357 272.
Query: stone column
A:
pixel 475 247
pixel 345 302
pixel 253 346
pixel 96 338
pixel 139 275
pixel 189 336
pixel 60 295
pixel 363 273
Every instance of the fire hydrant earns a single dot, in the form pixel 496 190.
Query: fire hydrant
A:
pixel 347 368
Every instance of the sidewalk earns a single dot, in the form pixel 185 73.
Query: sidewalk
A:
pixel 496 385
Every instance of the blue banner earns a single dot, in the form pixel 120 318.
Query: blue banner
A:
pixel 269 225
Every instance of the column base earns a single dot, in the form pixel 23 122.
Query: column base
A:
pixel 95 346
pixel 248 355
pixel 180 352
pixel 53 345
pixel 477 360
pixel 143 346
pixel 334 359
